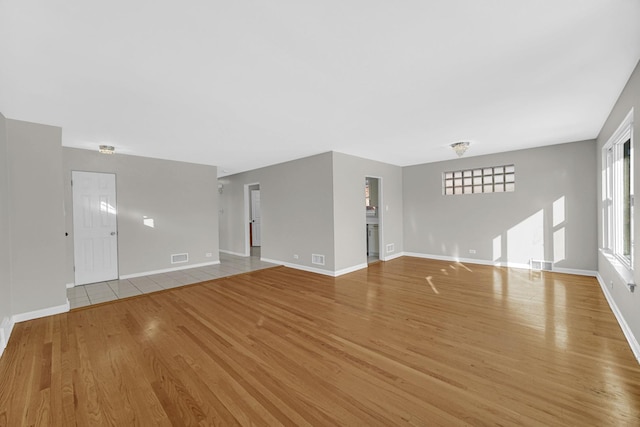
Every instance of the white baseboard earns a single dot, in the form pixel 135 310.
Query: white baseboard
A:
pixel 167 270
pixel 71 285
pixel 298 266
pixel 575 271
pixel 466 260
pixel 6 327
pixel 49 311
pixel 430 256
pixel 392 256
pixel 499 264
pixel 350 269
pixel 626 330
pixel 5 332
pixel 233 253
pixel 317 270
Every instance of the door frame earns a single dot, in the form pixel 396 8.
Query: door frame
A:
pixel 247 216
pixel 255 230
pixel 381 209
pixel 117 258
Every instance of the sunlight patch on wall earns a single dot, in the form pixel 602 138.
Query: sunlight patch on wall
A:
pixel 559 238
pixel 558 245
pixel 558 212
pixel 497 248
pixel 526 239
pixel 149 222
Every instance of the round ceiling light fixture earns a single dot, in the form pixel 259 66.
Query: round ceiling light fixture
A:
pixel 106 149
pixel 460 147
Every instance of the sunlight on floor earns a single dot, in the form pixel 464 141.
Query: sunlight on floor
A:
pixel 430 281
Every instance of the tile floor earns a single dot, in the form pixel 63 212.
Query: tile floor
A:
pixel 95 293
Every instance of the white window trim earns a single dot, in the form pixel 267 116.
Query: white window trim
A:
pixel 611 211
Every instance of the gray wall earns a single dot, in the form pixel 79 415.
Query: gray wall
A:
pixel 36 216
pixel 313 205
pixel 296 206
pixel 349 175
pixel 5 242
pixel 627 303
pixel 180 197
pixel 557 179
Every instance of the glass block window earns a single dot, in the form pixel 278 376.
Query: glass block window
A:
pixel 495 179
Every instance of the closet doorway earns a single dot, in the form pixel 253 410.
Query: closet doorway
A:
pixel 373 215
pixel 254 229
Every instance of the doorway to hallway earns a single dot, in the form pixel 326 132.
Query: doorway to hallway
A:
pixel 373 217
pixel 253 219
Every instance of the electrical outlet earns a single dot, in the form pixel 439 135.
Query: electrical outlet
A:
pixel 472 251
pixel 208 254
pixel 295 256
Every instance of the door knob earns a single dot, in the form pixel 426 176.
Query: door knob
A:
pixel 113 233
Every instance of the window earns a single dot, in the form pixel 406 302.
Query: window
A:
pixel 495 179
pixel 617 190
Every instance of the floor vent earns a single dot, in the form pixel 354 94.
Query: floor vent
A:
pixel 391 247
pixel 178 258
pixel 317 259
pixel 539 265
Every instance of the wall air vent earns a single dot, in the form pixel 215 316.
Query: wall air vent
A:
pixel 539 265
pixel 317 259
pixel 178 258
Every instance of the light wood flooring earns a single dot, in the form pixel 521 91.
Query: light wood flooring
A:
pixel 404 342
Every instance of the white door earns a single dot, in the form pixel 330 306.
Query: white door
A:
pixel 95 234
pixel 255 218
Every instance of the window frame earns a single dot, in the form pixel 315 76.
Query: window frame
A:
pixel 613 194
pixel 488 179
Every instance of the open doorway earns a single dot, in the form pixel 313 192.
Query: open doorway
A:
pixel 254 220
pixel 372 196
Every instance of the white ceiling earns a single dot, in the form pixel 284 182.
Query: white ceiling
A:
pixel 244 84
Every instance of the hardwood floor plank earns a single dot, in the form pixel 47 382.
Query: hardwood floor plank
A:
pixel 404 342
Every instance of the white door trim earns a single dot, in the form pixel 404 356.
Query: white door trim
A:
pixel 255 223
pixel 382 249
pixel 95 228
pixel 247 217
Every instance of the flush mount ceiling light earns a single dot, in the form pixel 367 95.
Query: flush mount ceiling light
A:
pixel 460 147
pixel 107 149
